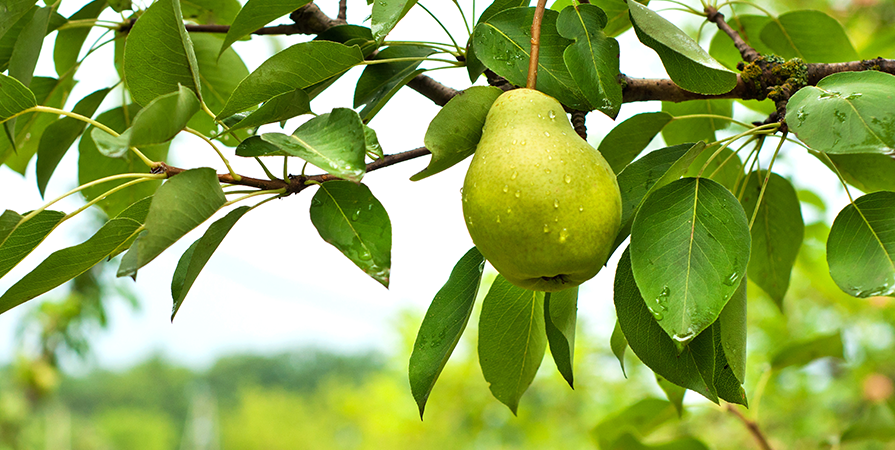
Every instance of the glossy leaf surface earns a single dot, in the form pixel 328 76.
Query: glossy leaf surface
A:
pixel 256 14
pixel 811 35
pixel 626 140
pixel 560 318
pixel 861 246
pixel 349 217
pixel 379 82
pixel 386 15
pixel 18 239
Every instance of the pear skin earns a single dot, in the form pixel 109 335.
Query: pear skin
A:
pixel 540 203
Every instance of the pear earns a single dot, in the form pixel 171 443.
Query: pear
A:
pixel 540 203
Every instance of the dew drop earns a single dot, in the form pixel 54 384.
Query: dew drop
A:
pixel 580 209
pixel 513 176
pixel 549 158
pixel 551 115
pixel 469 220
pixel 364 255
pixel 316 202
pixel 555 203
pixel 731 279
pixel 506 189
pixel 547 170
pixel 546 228
pixel 568 179
pixel 518 194
pixel 509 210
pixel 546 134
pixel 515 141
pixel 563 235
pixel 355 215
pixel 522 142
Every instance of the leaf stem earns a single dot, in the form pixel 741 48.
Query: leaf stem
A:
pixel 371 62
pixel 450 36
pixel 465 22
pixel 102 196
pixel 532 81
pixel 841 180
pixel 767 178
pixel 715 116
pixel 233 174
pixel 255 194
pixel 47 109
pixel 444 48
pixel 265 169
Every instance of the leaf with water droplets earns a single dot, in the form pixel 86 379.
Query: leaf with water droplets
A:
pixel 690 245
pixel 443 325
pixel 386 14
pixel 335 142
pixel 849 112
pixel 349 217
pixel 861 246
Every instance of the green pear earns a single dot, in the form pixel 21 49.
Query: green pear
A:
pixel 540 203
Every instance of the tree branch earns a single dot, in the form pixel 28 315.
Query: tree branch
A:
pixel 431 89
pixel 748 53
pixel 343 11
pixel 752 426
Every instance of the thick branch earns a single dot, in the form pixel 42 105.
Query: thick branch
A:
pixel 753 428
pixel 646 89
pixel 748 53
pixel 431 89
pixel 816 72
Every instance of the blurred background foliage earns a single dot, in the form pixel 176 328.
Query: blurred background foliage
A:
pixel 819 373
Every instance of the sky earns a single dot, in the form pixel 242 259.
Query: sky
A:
pixel 274 285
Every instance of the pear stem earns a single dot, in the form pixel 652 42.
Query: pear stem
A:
pixel 535 44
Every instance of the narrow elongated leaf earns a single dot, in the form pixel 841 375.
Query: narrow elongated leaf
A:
pixel 219 74
pixel 92 165
pixel 455 131
pixel 371 143
pixel 806 351
pixel 560 317
pixel 255 146
pixel 688 65
pixel 689 250
pixel 811 35
pixel 379 82
pixel 593 58
pixel 280 108
pixel 14 97
pixel 386 15
pixel 24 237
pixel 512 340
pixel 60 135
pixel 849 112
pixel 776 233
pixel 69 41
pixel 179 205
pixel 503 43
pixel 861 246
pixel 27 48
pixel 349 217
pixel 443 325
pixel 8 41
pixel 618 344
pixel 194 259
pixel 8 222
pixel 159 56
pixel 334 142
pixel 68 263
pixel 136 211
pixel 626 140
pixel 256 14
pixel 30 127
pixel 13 11
pixel 700 129
pixel 297 67
pixel 655 170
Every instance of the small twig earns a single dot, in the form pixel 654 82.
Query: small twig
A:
pixel 343 11
pixel 578 123
pixel 748 53
pixel 752 426
pixel 535 45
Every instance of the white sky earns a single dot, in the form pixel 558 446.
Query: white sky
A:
pixel 273 284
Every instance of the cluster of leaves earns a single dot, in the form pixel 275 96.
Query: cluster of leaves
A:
pixel 679 289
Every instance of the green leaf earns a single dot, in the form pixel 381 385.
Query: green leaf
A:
pixel 692 130
pixel 512 340
pixel 136 211
pixel 65 264
pixel 503 44
pixel 255 146
pixel 280 108
pixel 673 392
pixel 291 69
pixel 688 65
pixel 804 352
pixel 593 58
pixel 626 140
pixel 443 325
pixel 334 142
pixel 641 418
pixel 8 222
pixel 618 344
pixel 618 19
pixel 498 6
pixel 869 172
pixel 811 35
pixel 629 442
pixel 120 5
pixel 861 246
pixel 219 76
pixel 69 41
pixel 776 233
pixel 221 12
pixel 371 143
pixel 749 28
pixel 455 131
pixel 13 11
pixel 689 249
pixel 386 15
pixel 30 127
pixel 14 97
pixel 157 123
pixel 379 82
pixel 159 56
pixel 655 170
pixel 24 55
pixel 92 165
pixel 256 14
pixel 848 112
pixel 349 217
pixel 732 322
pixel 708 353
pixel 181 204
pixel 876 422
pixel 560 317
pixel 8 41
pixel 60 135
pixel 725 167
pixel 194 259
pixel 21 238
